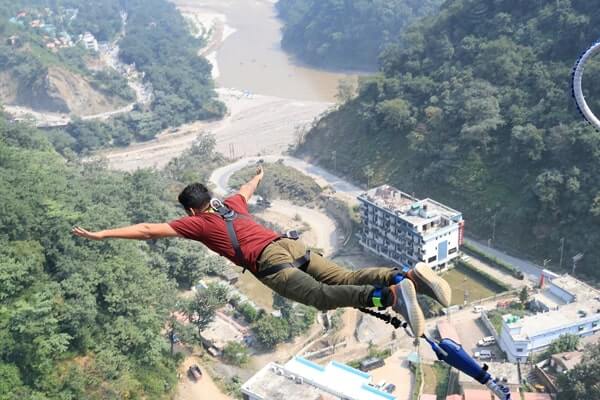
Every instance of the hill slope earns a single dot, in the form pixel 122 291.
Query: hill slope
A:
pixel 346 34
pixel 473 108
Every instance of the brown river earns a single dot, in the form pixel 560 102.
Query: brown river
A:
pixel 251 58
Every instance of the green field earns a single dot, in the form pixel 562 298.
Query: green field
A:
pixel 436 379
pixel 465 282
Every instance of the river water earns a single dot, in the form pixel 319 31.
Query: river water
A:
pixel 252 59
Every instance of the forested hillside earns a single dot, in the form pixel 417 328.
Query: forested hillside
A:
pixel 42 64
pixel 81 319
pixel 473 107
pixel 156 41
pixel 346 33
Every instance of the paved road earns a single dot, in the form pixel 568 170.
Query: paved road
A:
pixel 220 177
pixel 531 270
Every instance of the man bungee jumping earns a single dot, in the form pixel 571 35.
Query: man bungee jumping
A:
pixel 283 263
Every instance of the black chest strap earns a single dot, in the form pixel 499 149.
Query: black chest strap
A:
pixel 229 216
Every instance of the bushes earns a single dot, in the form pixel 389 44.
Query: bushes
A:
pixel 493 261
pixel 280 182
pixel 484 275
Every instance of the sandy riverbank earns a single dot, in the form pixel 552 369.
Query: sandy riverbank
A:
pixel 255 125
pixel 212 25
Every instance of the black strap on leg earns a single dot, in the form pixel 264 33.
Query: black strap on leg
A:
pixel 301 263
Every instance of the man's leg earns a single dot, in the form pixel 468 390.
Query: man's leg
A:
pixel 331 273
pixel 296 285
pixel 424 279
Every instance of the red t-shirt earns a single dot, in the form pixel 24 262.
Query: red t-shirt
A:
pixel 210 229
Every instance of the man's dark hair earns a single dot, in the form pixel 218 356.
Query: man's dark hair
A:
pixel 194 195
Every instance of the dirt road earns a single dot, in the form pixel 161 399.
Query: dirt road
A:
pixel 205 388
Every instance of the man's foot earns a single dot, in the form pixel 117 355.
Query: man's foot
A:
pixel 431 284
pixel 406 304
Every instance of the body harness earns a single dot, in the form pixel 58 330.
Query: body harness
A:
pixel 229 216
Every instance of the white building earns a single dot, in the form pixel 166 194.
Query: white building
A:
pixel 300 379
pixel 407 230
pixel 89 41
pixel 572 307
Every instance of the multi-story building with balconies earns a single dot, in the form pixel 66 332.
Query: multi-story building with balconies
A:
pixel 406 230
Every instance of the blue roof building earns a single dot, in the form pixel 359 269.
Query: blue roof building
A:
pixel 300 379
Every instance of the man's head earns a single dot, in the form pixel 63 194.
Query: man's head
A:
pixel 195 198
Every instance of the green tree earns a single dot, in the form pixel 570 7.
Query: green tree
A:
pixel 201 310
pixel 248 311
pixel 523 296
pixel 270 331
pixel 567 342
pixel 236 353
pixel 582 381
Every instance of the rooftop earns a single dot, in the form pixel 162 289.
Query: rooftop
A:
pixel 585 308
pixel 581 290
pixel 549 299
pixel 221 331
pixel 275 382
pixel 415 211
pixel 568 359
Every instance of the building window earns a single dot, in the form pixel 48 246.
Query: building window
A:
pixel 580 328
pixel 452 251
pixel 594 324
pixel 520 350
pixel 432 259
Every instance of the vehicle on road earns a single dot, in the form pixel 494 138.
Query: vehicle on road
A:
pixel 478 309
pixel 390 387
pixel 195 372
pixel 483 355
pixel 371 363
pixel 486 341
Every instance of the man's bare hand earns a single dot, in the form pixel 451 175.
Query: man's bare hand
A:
pixel 260 172
pixel 78 231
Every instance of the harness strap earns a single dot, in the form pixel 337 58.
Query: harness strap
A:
pixel 229 216
pixel 301 263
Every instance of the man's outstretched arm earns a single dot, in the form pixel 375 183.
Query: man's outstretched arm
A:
pixel 138 232
pixel 248 189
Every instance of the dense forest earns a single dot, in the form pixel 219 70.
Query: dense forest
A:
pixel 473 107
pixel 347 34
pixel 25 57
pixel 84 319
pixel 159 44
pixel 156 41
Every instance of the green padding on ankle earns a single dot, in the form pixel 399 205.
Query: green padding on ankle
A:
pixel 377 301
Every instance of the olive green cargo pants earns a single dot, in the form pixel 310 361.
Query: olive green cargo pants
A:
pixel 325 285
